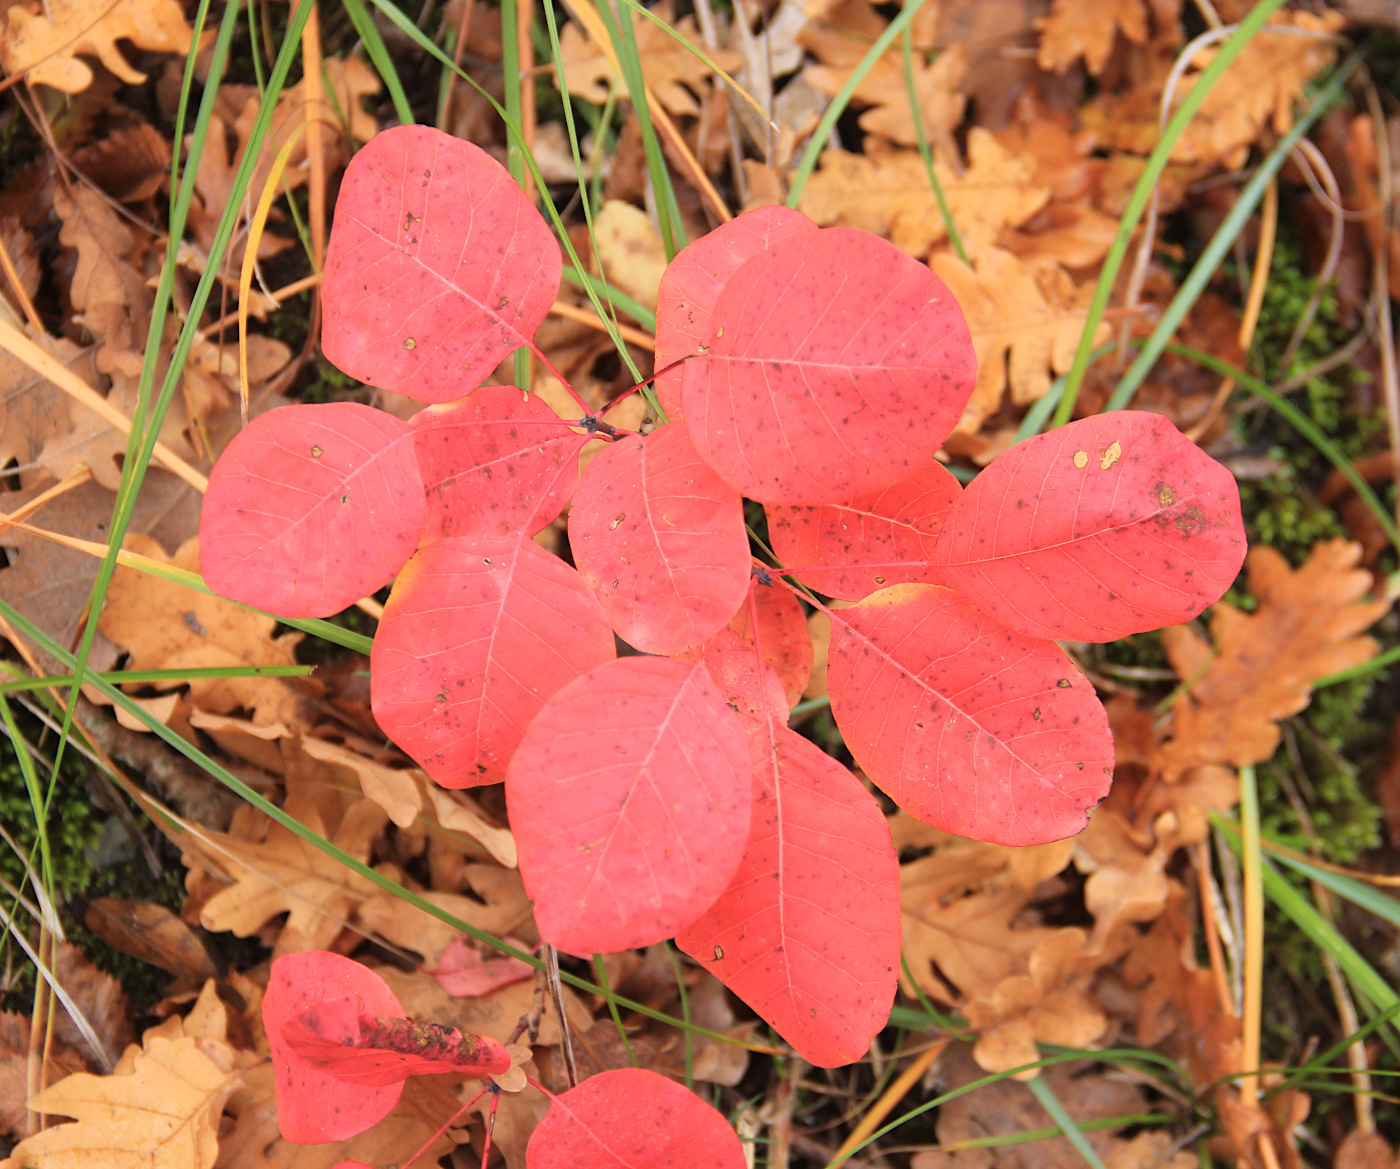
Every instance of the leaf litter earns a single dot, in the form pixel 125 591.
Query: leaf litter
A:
pixel 1081 943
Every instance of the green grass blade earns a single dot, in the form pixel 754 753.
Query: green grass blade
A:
pixel 379 56
pixel 668 213
pixel 1322 933
pixel 601 971
pixel 144 433
pixel 38 801
pixel 838 105
pixel 1146 184
pixel 125 677
pixel 1051 1103
pixel 633 308
pixel 1305 425
pixel 1223 240
pixel 1379 662
pixel 954 237
pixel 1368 897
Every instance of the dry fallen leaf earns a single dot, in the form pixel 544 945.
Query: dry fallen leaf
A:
pixel 1050 1003
pixel 284 874
pixel 842 39
pixel 163 625
pixel 1085 28
pixel 1262 665
pixel 1259 88
pixel 45 47
pixel 162 1114
pixel 629 250
pixel 673 73
pixel 1025 321
pixel 153 934
pixel 887 191
pixel 14 1071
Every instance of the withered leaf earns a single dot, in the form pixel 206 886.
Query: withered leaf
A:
pixel 1025 320
pixel 14 1072
pixel 162 1114
pixel 46 47
pixel 887 191
pixel 1262 665
pixel 673 73
pixel 1085 28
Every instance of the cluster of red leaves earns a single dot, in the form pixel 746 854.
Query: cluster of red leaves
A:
pixel 656 796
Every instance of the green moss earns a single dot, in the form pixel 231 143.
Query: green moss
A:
pixel 73 827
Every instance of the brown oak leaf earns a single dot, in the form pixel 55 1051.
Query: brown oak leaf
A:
pixel 164 625
pixel 1262 665
pixel 1049 1003
pixel 1085 28
pixel 672 72
pixel 45 43
pixel 282 873
pixel 887 191
pixel 840 42
pixel 162 1113
pixel 14 1075
pixel 1025 321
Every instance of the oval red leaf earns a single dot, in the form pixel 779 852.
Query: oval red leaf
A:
pixel 783 637
pixel 629 1119
pixel 476 635
pixel 343 1039
pixel 493 463
pixel 967 725
pixel 629 798
pixel 870 542
pixel 312 1105
pixel 692 282
pixel 311 508
pixel 749 685
pixel 808 931
pixel 1112 525
pixel 836 366
pixel 410 302
pixel 660 539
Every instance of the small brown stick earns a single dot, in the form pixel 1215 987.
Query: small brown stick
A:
pixel 556 990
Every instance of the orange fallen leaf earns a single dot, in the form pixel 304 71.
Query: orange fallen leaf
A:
pixel 161 1114
pixel 887 191
pixel 1260 667
pixel 1086 28
pixel 1025 320
pixel 46 47
pixel 673 73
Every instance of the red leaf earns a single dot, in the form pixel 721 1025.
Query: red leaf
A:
pixel 660 539
pixel 692 283
pixel 808 932
pixel 783 637
pixel 338 1037
pixel 311 508
pixel 476 635
pixel 967 725
pixel 494 463
pixel 837 365
pixel 465 972
pixel 632 1119
pixel 312 1105
pixel 749 685
pixel 1112 525
pixel 438 266
pixel 629 798
pixel 883 538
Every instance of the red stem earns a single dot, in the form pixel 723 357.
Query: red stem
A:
pixel 450 1122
